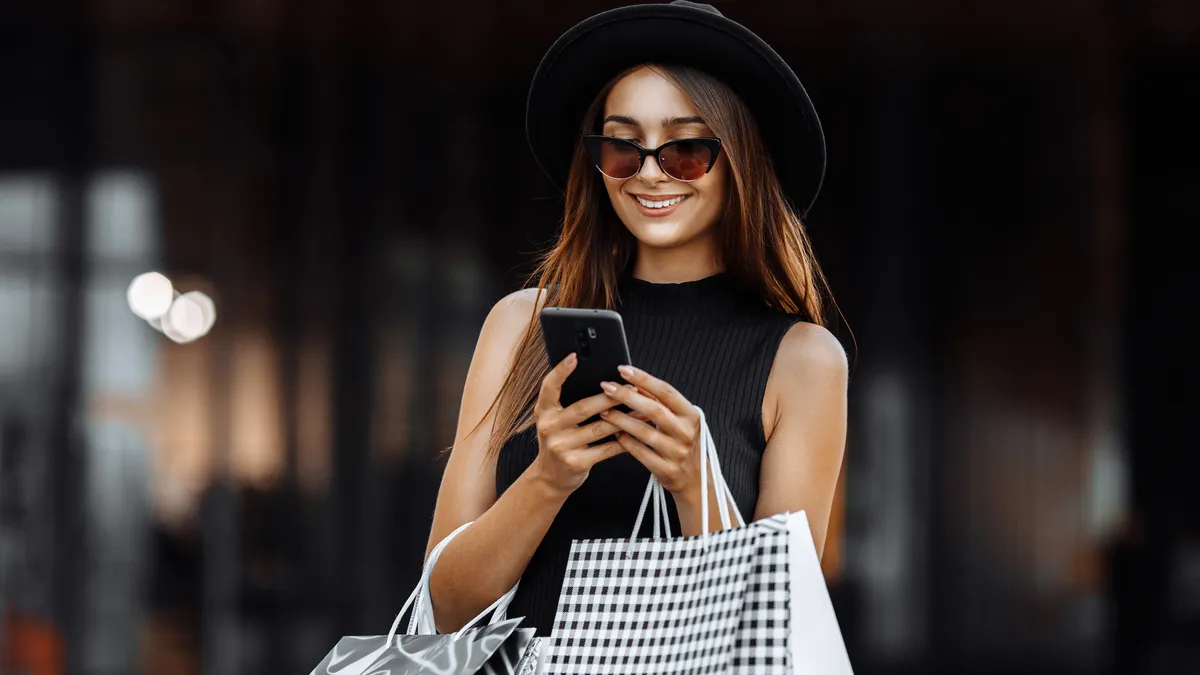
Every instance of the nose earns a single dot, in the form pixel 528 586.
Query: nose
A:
pixel 651 172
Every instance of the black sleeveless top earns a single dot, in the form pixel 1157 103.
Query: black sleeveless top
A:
pixel 713 342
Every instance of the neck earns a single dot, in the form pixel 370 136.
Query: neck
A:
pixel 694 260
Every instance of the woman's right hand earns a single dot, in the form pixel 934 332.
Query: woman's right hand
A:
pixel 564 457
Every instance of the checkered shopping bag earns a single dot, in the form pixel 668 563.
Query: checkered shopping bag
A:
pixel 748 599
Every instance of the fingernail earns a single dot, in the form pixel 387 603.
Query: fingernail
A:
pixel 608 387
pixel 571 359
pixel 625 371
pixel 604 413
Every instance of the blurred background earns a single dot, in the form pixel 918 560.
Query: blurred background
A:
pixel 347 181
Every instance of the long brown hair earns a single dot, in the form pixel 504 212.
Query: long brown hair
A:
pixel 763 244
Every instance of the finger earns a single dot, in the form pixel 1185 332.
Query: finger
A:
pixel 638 416
pixel 664 392
pixel 586 408
pixel 552 383
pixel 645 454
pixel 598 453
pixel 659 441
pixel 654 411
pixel 645 393
pixel 589 433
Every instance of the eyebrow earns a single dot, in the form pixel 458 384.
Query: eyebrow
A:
pixel 666 121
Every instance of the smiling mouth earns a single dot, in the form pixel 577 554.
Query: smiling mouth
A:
pixel 659 204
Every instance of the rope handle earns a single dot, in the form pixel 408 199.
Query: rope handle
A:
pixel 422 605
pixel 709 460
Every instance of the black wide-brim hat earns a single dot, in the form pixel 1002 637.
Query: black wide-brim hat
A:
pixel 590 54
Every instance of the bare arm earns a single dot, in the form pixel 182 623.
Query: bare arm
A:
pixel 805 418
pixel 486 559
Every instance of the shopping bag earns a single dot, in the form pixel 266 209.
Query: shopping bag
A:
pixel 815 639
pixel 494 649
pixel 748 599
pixel 500 647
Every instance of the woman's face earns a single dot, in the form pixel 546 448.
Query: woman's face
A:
pixel 647 108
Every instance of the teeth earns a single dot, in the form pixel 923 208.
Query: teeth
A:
pixel 659 205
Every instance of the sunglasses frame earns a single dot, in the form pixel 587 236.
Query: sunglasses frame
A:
pixel 592 143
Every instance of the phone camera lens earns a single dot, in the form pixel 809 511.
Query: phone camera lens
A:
pixel 583 346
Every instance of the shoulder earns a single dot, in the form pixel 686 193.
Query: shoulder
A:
pixel 526 300
pixel 506 324
pixel 810 370
pixel 513 312
pixel 811 350
pixel 505 328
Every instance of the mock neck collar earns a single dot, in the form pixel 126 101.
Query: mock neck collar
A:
pixel 717 294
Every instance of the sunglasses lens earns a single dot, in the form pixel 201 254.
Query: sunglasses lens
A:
pixel 617 159
pixel 687 160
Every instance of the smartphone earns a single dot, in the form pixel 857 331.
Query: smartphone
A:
pixel 597 336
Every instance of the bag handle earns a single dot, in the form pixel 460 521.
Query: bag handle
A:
pixel 660 519
pixel 709 460
pixel 725 499
pixel 421 621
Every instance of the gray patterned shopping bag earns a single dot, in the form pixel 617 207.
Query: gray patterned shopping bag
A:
pixel 498 648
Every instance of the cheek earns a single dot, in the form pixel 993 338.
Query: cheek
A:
pixel 720 182
pixel 614 192
pixel 715 192
pixel 714 206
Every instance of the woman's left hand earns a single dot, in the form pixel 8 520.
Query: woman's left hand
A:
pixel 663 433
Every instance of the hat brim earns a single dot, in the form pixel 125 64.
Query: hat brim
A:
pixel 588 55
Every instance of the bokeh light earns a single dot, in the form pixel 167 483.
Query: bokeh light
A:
pixel 190 316
pixel 150 295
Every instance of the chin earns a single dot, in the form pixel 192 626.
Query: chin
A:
pixel 666 234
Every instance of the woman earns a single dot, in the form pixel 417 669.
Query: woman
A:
pixel 699 246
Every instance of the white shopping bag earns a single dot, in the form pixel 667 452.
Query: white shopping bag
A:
pixel 815 640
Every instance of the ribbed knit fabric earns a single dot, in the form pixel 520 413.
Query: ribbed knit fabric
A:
pixel 713 342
